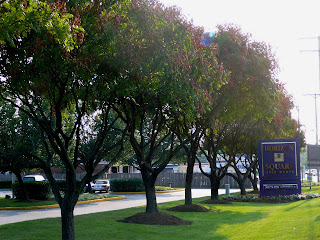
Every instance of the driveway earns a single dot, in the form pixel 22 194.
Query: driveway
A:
pixel 131 200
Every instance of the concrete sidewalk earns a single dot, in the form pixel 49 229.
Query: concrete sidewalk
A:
pixel 131 200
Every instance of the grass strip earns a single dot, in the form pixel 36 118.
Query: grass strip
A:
pixel 84 198
pixel 296 220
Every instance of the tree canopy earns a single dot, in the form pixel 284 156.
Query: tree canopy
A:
pixel 86 76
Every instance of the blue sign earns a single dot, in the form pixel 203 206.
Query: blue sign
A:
pixel 279 167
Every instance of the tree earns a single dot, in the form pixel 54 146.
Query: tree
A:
pixel 164 73
pixel 193 133
pixel 18 140
pixel 61 89
pixel 211 149
pixel 255 100
pixel 18 18
pixel 249 97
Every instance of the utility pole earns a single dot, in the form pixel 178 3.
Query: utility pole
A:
pixel 315 104
pixel 317 139
pixel 315 95
pixel 315 101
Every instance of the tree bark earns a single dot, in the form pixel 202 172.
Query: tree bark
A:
pixel 242 188
pixel 67 220
pixel 89 187
pixel 149 180
pixel 188 186
pixel 192 155
pixel 215 185
pixel 254 182
pixel 253 178
pixel 151 197
pixel 67 204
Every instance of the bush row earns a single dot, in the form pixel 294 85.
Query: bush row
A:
pixel 280 198
pixel 42 190
pixel 5 184
pixel 62 185
pixel 160 188
pixel 36 190
pixel 127 185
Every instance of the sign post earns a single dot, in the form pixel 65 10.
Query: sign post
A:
pixel 309 176
pixel 279 167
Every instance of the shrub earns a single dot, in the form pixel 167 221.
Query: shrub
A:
pixel 160 188
pixel 275 199
pixel 36 190
pixel 241 198
pixel 62 185
pixel 312 195
pixel 127 185
pixel 5 184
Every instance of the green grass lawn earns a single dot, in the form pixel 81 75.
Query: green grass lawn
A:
pixel 295 220
pixel 16 203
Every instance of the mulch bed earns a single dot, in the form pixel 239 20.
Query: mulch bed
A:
pixel 157 218
pixel 189 208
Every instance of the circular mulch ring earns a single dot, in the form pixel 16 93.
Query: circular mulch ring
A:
pixel 189 208
pixel 216 201
pixel 156 218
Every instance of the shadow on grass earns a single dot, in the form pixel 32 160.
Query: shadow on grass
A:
pixel 207 224
pixel 299 204
pixel 317 219
pixel 104 225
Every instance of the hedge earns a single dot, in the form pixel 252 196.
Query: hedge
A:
pixel 63 185
pixel 127 185
pixel 36 190
pixel 5 184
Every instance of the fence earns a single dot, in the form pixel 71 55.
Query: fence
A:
pixel 178 180
pixel 164 179
pixel 5 177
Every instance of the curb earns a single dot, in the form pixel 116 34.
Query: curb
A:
pixel 169 191
pixel 57 205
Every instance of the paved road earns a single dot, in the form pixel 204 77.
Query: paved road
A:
pixel 131 200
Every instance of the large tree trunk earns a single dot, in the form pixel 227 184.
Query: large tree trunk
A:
pixel 149 181
pixel 242 187
pixel 151 197
pixel 254 182
pixel 188 186
pixel 192 155
pixel 215 185
pixel 253 178
pixel 67 204
pixel 89 187
pixel 67 221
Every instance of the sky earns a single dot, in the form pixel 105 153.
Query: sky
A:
pixel 291 27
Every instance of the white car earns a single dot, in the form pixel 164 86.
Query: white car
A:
pixel 37 178
pixel 101 185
